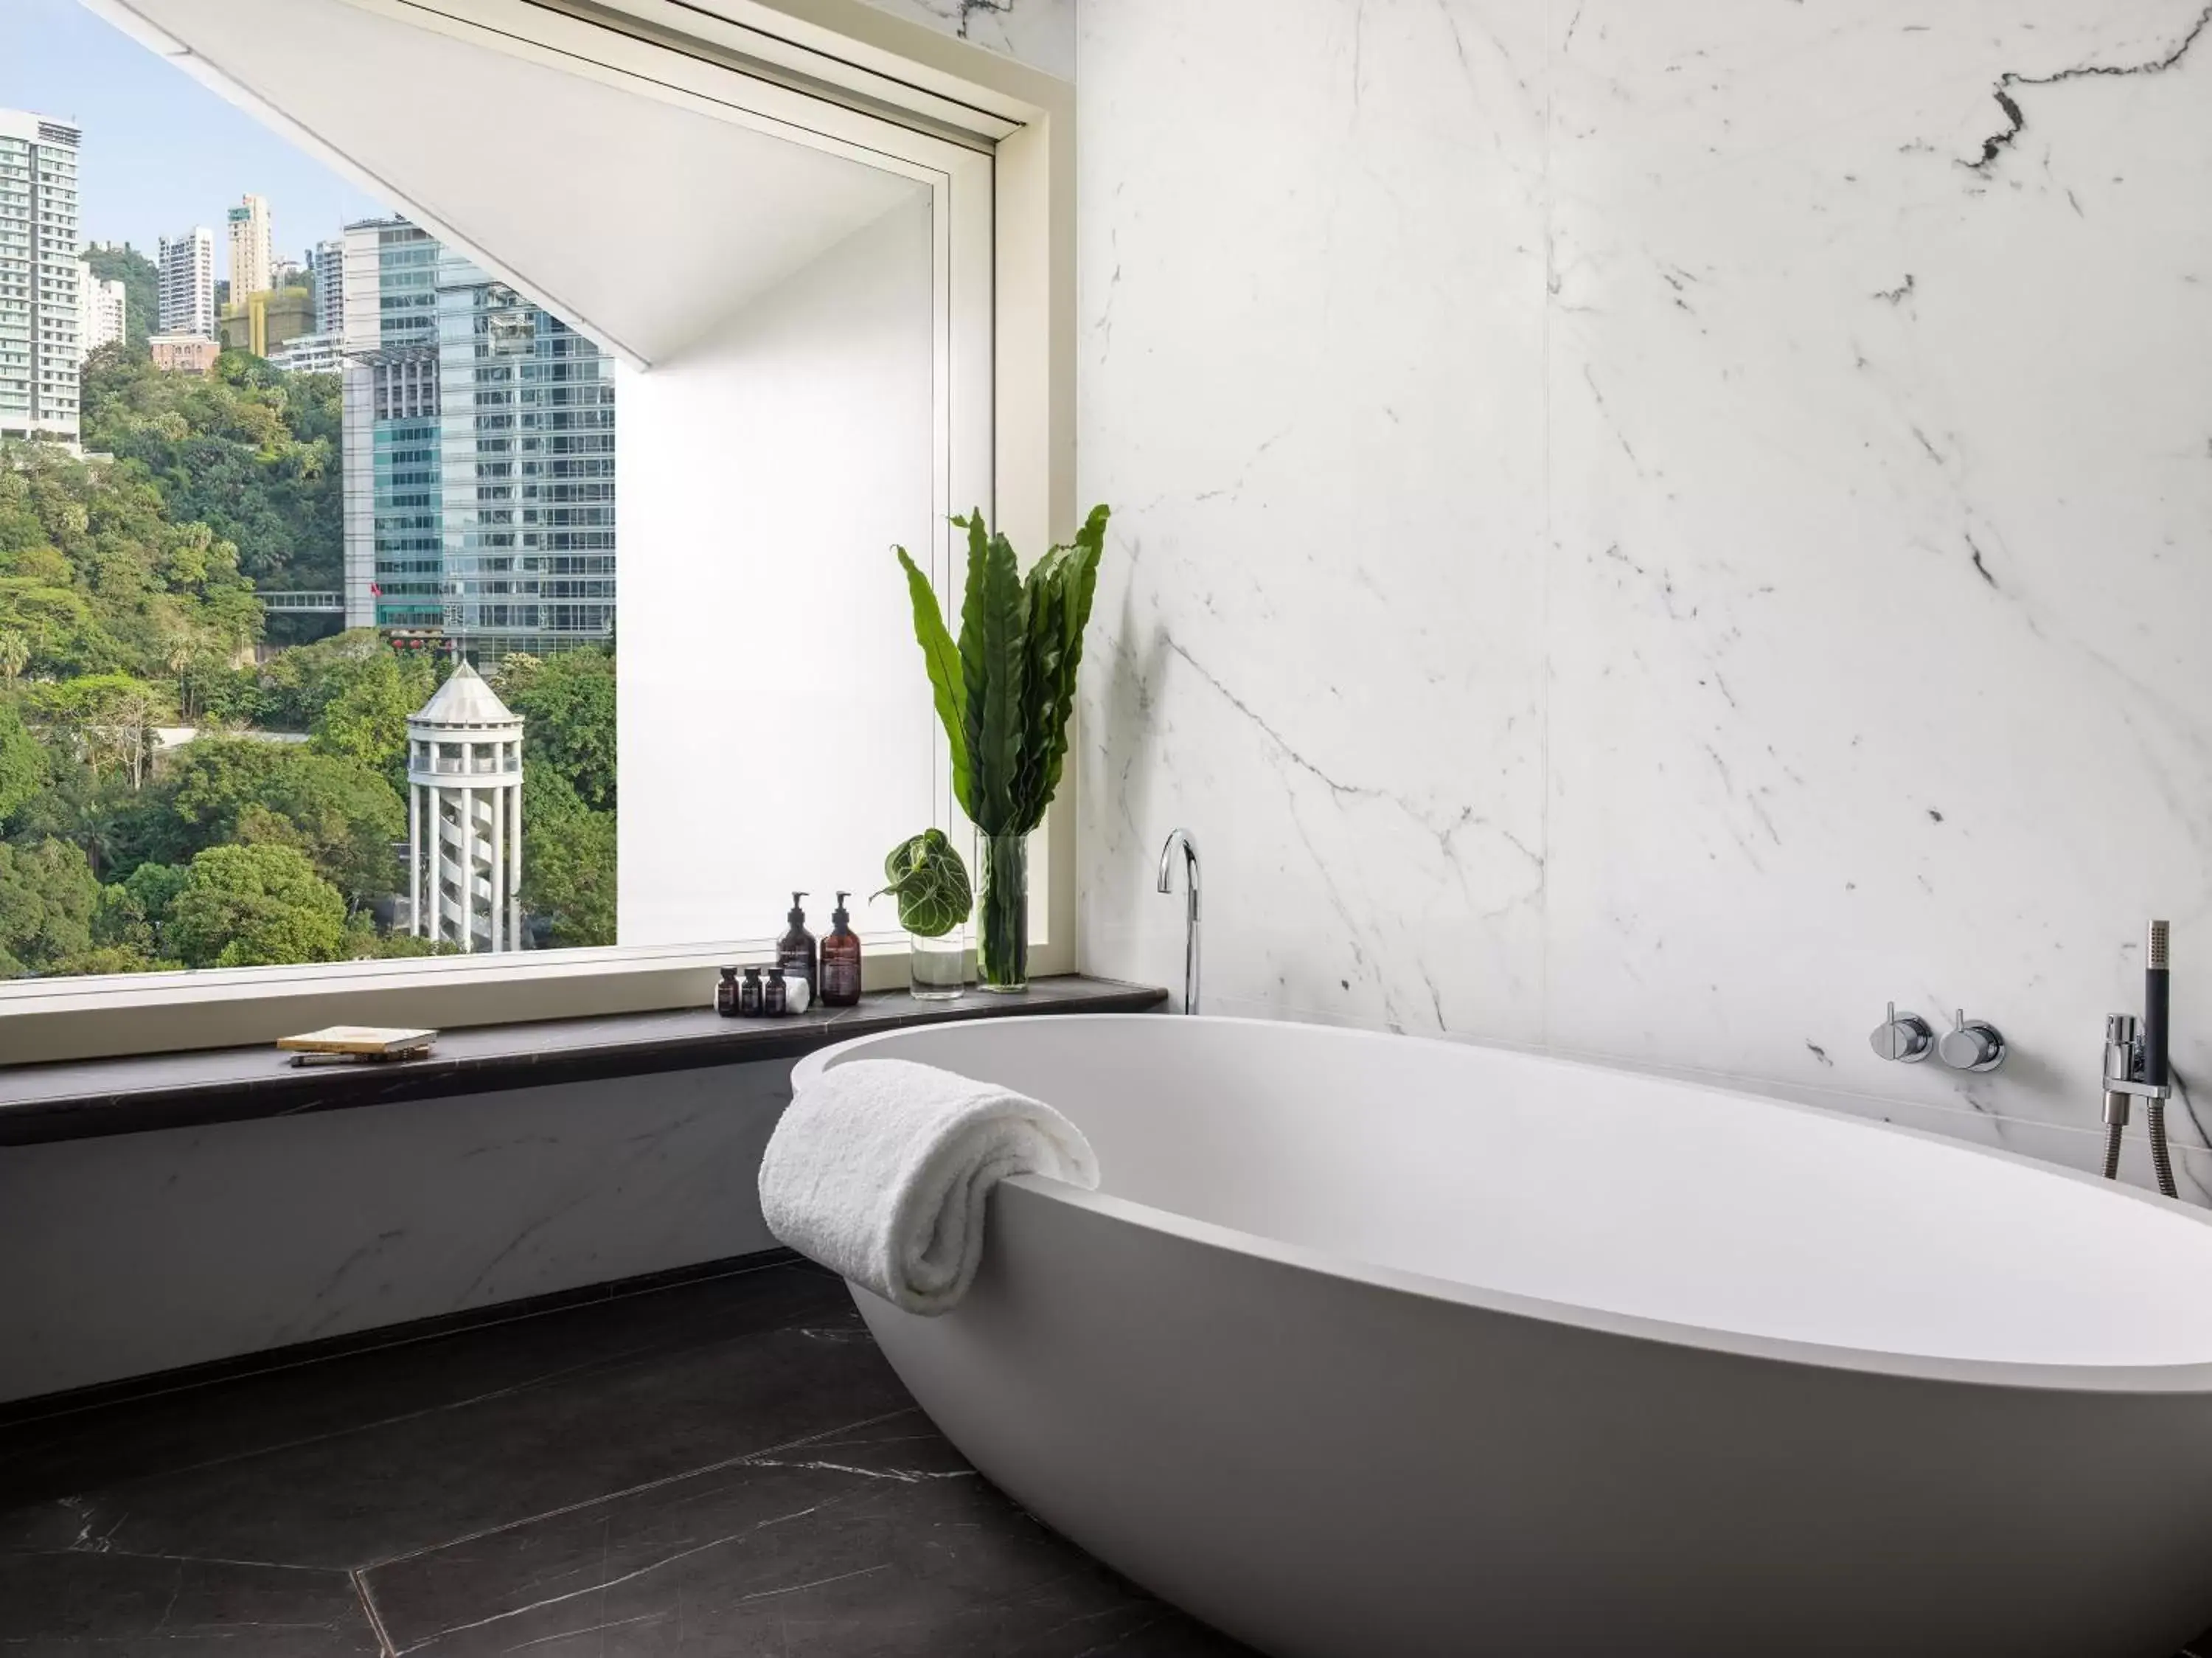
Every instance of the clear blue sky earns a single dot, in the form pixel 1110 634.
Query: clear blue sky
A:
pixel 161 152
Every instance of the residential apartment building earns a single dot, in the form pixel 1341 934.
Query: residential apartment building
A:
pixel 187 272
pixel 478 453
pixel 253 249
pixel 41 345
pixel 310 354
pixel 326 270
pixel 101 308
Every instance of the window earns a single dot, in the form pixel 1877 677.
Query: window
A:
pixel 362 725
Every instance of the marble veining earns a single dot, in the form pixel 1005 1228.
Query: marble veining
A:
pixel 123 1257
pixel 1649 532
pixel 1038 33
pixel 737 1469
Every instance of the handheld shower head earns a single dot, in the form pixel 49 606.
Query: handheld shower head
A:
pixel 2157 999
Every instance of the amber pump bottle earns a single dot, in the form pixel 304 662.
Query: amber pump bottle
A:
pixel 795 951
pixel 841 960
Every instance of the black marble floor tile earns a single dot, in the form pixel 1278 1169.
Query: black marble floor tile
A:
pixel 366 1493
pixel 873 1540
pixel 81 1602
pixel 721 1467
pixel 167 1433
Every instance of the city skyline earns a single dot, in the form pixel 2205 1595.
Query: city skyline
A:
pixel 442 449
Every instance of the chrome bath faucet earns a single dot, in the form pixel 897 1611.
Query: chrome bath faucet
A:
pixel 2136 1064
pixel 1182 838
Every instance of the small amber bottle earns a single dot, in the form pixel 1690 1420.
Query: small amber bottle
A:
pixel 841 960
pixel 796 952
pixel 775 1000
pixel 725 994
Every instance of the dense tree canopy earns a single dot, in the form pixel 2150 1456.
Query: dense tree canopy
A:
pixel 96 577
pixel 267 829
pixel 567 706
pixel 22 764
pixel 343 816
pixel 48 896
pixel 249 451
pixel 567 862
pixel 255 906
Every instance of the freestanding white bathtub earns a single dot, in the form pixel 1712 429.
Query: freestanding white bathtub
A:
pixel 1372 1347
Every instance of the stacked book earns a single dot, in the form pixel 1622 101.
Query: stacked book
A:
pixel 356 1044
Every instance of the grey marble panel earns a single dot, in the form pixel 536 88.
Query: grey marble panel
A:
pixel 1650 531
pixel 124 1256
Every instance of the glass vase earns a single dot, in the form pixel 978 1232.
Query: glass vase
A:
pixel 939 966
pixel 1002 892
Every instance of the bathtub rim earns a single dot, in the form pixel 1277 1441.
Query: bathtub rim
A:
pixel 2105 1379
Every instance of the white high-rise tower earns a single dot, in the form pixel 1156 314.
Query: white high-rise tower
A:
pixel 187 264
pixel 464 817
pixel 101 307
pixel 41 349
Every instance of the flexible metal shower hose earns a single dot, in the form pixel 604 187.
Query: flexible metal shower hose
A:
pixel 2161 1159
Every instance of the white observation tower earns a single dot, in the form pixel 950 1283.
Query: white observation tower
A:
pixel 464 817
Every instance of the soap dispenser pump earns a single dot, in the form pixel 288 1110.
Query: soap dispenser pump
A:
pixel 841 960
pixel 795 952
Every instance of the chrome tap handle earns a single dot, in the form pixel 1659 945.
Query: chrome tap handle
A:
pixel 2120 1051
pixel 1904 1038
pixel 2124 1061
pixel 1972 1044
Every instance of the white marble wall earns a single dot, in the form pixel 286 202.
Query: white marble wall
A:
pixel 122 1256
pixel 1038 33
pixel 1651 528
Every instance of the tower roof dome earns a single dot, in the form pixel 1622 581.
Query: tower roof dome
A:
pixel 464 700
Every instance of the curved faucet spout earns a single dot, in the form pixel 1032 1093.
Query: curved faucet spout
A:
pixel 1182 838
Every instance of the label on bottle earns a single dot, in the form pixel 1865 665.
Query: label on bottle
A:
pixel 840 980
pixel 797 964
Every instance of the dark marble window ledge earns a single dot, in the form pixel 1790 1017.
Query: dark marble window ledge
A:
pixel 80 1100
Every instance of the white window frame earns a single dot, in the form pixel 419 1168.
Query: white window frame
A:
pixel 993 140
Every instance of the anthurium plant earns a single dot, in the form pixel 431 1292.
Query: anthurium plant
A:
pixel 930 883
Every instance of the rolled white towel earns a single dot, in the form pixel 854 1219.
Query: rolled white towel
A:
pixel 879 1169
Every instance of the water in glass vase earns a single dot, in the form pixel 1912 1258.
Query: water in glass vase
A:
pixel 939 965
pixel 1002 942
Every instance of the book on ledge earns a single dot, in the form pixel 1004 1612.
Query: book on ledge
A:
pixel 338 1043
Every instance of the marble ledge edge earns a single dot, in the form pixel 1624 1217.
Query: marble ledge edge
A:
pixel 76 1103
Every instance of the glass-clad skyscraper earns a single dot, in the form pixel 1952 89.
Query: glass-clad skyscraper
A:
pixel 394 541
pixel 479 456
pixel 527 457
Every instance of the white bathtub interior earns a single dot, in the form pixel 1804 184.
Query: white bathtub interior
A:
pixel 1607 1190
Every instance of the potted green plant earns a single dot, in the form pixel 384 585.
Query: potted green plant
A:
pixel 1003 692
pixel 930 883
